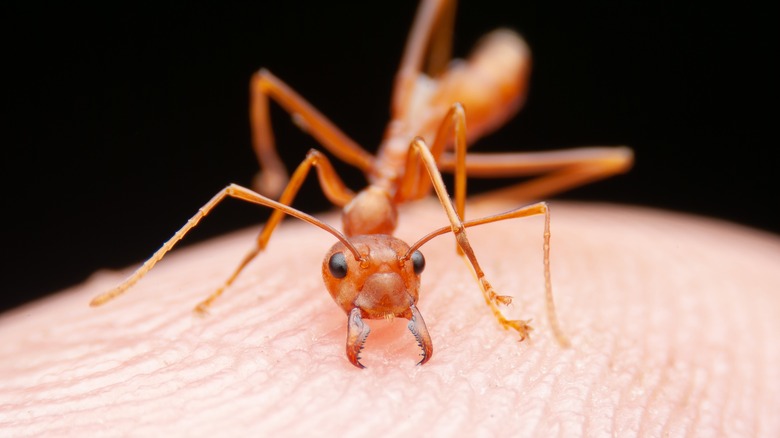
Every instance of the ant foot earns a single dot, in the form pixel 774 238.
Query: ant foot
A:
pixel 202 309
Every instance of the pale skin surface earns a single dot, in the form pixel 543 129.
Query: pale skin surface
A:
pixel 672 321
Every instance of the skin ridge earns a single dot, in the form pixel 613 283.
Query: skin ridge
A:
pixel 687 350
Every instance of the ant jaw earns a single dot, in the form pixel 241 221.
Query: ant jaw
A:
pixel 357 332
pixel 420 331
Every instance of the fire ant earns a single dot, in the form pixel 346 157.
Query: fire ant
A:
pixel 369 273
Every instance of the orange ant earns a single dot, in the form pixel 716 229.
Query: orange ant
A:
pixel 370 273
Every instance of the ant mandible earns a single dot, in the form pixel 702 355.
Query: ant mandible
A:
pixel 370 273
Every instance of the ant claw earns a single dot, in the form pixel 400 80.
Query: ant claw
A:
pixel 521 326
pixel 202 310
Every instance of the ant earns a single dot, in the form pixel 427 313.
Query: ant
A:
pixel 369 273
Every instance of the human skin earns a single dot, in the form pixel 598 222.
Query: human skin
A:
pixel 672 320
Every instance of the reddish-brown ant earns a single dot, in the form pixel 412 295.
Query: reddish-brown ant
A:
pixel 370 273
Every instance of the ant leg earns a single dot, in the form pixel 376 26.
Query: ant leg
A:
pixel 562 170
pixel 431 34
pixel 439 52
pixel 415 183
pixel 526 211
pixel 273 176
pixel 334 190
pixel 455 121
pixel 234 191
pixel 457 228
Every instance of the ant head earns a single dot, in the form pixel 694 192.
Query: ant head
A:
pixel 384 282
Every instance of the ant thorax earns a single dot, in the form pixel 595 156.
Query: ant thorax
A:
pixel 370 212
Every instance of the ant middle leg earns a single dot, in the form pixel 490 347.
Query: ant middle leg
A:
pixel 559 170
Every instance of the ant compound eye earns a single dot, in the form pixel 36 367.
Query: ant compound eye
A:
pixel 337 265
pixel 418 261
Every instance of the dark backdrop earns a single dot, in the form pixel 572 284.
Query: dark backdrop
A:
pixel 121 120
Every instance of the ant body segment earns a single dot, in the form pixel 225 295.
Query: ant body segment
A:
pixel 369 273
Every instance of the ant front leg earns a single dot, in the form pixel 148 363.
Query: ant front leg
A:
pixel 420 149
pixel 416 184
pixel 334 190
pixel 273 175
pixel 520 212
pixel 234 191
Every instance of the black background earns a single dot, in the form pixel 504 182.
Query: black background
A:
pixel 122 120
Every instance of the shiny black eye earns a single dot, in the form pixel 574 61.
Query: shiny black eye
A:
pixel 337 265
pixel 418 261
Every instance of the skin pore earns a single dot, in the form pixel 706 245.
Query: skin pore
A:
pixel 672 320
